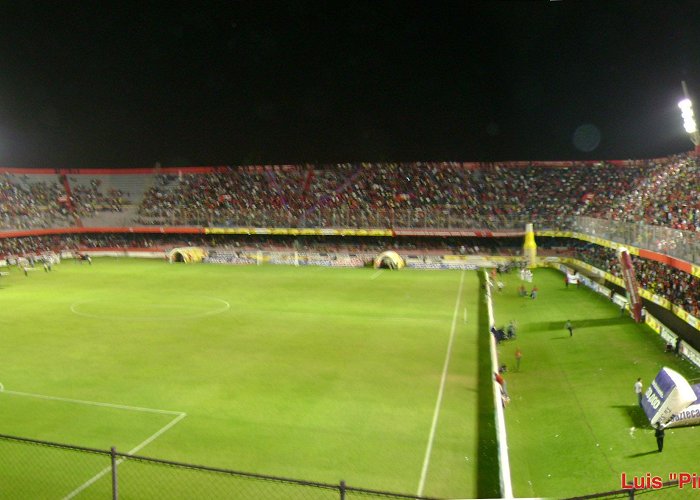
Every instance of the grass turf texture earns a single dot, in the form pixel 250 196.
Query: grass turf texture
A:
pixel 311 373
pixel 573 422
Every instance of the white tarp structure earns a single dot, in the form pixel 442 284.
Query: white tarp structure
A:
pixel 689 416
pixel 668 396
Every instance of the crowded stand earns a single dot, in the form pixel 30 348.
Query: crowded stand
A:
pixel 246 196
pixel 666 194
pixel 89 197
pixel 659 192
pixel 493 196
pixel 32 202
pixel 383 195
pixel 678 287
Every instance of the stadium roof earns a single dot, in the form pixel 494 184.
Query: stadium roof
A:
pixel 129 84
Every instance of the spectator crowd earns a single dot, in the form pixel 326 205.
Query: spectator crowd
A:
pixel 385 195
pixel 27 203
pixel 680 288
pixel 661 192
pixel 48 201
pixel 89 198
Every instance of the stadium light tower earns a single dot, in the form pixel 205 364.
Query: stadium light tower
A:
pixel 689 123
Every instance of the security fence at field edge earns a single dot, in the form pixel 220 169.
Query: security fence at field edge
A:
pixel 665 240
pixel 31 468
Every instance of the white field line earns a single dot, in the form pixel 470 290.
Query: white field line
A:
pixel 376 274
pixel 179 415
pixel 157 434
pixel 75 309
pixel 108 469
pixel 92 403
pixel 438 403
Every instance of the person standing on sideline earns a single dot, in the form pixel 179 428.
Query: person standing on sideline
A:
pixel 569 327
pixel 638 390
pixel 659 433
pixel 518 357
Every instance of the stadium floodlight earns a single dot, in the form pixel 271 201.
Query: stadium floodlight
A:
pixel 689 123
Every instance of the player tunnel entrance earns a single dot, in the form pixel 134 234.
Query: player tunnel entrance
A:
pixel 186 254
pixel 388 260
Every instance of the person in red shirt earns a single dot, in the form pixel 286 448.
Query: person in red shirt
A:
pixel 501 381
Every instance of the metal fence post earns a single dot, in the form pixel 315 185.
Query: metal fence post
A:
pixel 115 489
pixel 342 490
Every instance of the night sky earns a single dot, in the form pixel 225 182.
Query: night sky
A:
pixel 120 84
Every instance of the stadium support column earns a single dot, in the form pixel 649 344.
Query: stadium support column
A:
pixel 631 286
pixel 529 246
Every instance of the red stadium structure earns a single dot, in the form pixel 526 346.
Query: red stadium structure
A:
pixel 631 286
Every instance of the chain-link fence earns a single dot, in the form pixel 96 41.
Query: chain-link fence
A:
pixel 37 469
pixel 669 489
pixel 668 241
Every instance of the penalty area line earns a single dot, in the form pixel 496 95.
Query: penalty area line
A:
pixel 90 403
pixel 376 274
pixel 138 447
pixel 179 415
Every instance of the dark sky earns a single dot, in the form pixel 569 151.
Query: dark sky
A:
pixel 114 84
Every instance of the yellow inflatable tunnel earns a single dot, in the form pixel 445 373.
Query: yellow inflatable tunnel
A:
pixel 187 255
pixel 388 260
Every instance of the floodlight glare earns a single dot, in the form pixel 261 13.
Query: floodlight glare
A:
pixel 689 124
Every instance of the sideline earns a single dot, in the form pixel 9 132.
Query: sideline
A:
pixel 503 458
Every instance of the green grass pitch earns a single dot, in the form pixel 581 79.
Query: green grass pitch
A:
pixel 573 422
pixel 311 373
pixel 320 374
